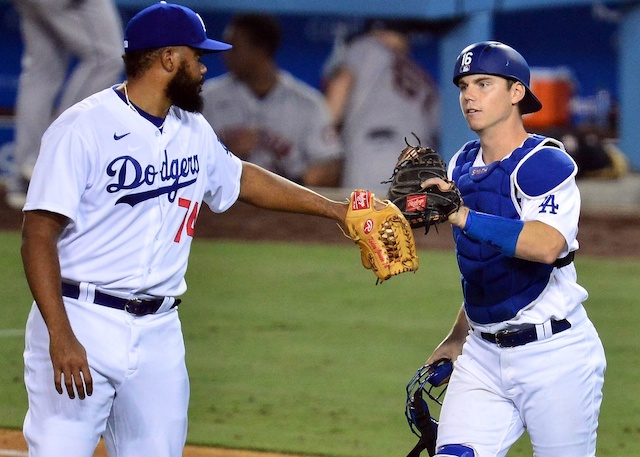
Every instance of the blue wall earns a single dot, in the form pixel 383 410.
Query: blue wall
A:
pixel 547 37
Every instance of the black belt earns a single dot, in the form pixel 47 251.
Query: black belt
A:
pixel 564 261
pixel 134 306
pixel 528 334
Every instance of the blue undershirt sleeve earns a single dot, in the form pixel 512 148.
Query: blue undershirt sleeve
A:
pixel 498 232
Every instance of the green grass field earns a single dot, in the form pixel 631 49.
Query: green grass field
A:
pixel 293 348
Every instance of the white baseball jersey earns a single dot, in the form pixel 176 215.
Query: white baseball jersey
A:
pixel 391 97
pixel 131 192
pixel 293 121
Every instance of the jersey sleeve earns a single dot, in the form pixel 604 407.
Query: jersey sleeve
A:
pixel 545 184
pixel 224 170
pixel 560 209
pixel 452 164
pixel 62 172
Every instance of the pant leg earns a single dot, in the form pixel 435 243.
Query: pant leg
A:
pixel 477 410
pixel 141 388
pixel 149 415
pixel 56 425
pixel 564 394
pixel 92 32
pixel 43 69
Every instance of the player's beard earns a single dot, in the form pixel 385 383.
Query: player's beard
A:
pixel 184 91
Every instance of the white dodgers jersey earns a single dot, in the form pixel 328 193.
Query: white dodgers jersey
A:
pixel 132 192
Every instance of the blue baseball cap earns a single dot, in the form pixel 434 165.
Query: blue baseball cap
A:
pixel 167 24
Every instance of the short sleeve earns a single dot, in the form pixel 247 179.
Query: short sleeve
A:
pixel 62 172
pixel 224 171
pixel 560 209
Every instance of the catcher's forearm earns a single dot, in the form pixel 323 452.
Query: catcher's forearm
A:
pixel 500 232
pixel 530 240
pixel 451 347
pixel 460 328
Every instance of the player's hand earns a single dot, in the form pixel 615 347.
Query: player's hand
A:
pixel 70 366
pixel 441 183
pixel 457 218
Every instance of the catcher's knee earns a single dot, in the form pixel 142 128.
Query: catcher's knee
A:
pixel 455 450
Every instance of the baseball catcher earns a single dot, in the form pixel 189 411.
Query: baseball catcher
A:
pixel 382 233
pixel 422 207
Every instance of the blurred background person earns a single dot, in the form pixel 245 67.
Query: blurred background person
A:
pixel 267 116
pixel 72 49
pixel 378 96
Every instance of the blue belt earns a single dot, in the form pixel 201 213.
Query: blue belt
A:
pixel 134 306
pixel 528 334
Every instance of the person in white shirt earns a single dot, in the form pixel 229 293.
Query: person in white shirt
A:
pixel 108 225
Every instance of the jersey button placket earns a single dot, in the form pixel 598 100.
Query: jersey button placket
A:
pixel 157 212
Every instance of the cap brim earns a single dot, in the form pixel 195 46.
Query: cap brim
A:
pixel 209 45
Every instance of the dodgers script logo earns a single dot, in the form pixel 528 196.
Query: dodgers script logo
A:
pixel 130 174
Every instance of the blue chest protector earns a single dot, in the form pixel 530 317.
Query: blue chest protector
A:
pixel 496 286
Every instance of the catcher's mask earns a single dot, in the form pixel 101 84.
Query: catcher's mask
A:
pixel 431 380
pixel 495 58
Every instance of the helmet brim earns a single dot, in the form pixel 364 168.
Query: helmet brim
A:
pixel 530 103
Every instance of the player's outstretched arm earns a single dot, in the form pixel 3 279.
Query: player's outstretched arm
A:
pixel 264 189
pixel 378 227
pixel 40 233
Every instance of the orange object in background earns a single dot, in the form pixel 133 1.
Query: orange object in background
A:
pixel 554 88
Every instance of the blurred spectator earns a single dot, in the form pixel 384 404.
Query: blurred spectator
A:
pixel 84 36
pixel 267 116
pixel 379 95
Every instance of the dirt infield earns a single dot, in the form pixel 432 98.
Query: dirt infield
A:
pixel 12 444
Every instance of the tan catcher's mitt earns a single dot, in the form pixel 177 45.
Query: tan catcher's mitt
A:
pixel 384 236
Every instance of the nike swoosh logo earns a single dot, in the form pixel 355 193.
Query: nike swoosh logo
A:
pixel 119 137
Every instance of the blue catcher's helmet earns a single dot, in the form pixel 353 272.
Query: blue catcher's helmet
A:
pixel 431 380
pixel 495 58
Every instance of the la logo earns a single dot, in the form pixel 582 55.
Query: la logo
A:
pixel 549 204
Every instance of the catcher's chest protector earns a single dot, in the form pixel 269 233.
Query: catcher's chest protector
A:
pixel 495 286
